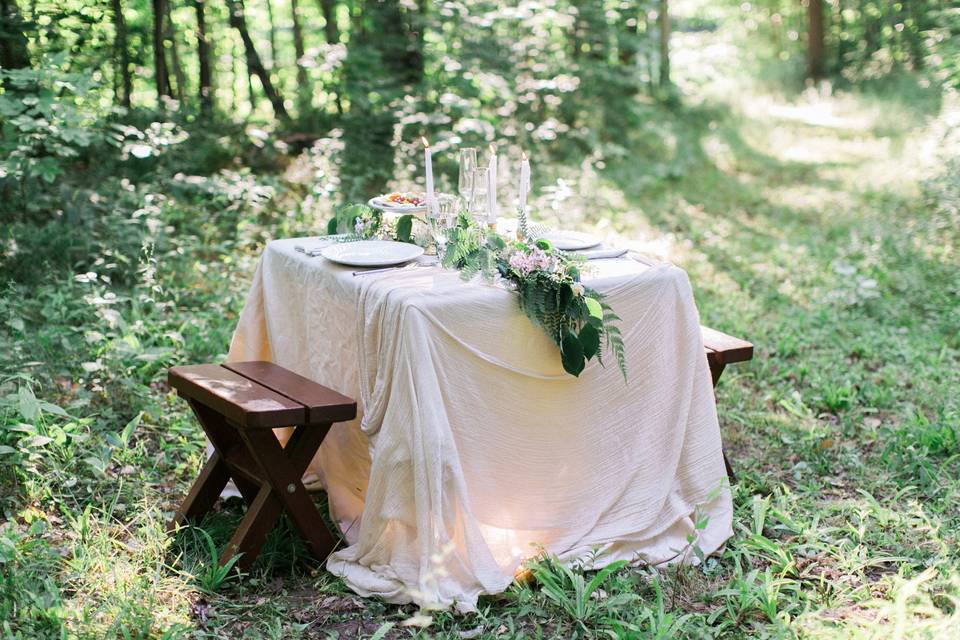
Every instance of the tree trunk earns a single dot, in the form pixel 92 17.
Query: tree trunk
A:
pixel 234 77
pixel 397 33
pixel 254 65
pixel 303 83
pixel 203 60
pixel 664 23
pixel 628 37
pixel 13 40
pixel 161 76
pixel 122 53
pixel 330 28
pixel 171 36
pixel 815 39
pixel 393 31
pixel 273 35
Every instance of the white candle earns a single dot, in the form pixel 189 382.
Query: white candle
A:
pixel 492 187
pixel 428 164
pixel 524 181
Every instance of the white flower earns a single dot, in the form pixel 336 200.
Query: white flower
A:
pixel 578 289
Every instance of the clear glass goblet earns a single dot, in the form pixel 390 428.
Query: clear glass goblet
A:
pixel 468 165
pixel 441 219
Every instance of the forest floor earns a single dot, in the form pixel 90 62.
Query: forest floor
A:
pixel 821 225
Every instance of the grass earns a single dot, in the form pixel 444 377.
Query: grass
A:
pixel 823 227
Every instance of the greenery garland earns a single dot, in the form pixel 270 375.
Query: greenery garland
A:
pixel 548 285
pixel 547 281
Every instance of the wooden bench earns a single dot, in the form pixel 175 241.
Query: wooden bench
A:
pixel 238 405
pixel 723 350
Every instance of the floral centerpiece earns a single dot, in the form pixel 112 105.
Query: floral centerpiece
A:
pixel 549 290
pixel 547 281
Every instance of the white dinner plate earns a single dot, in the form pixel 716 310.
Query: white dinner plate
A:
pixel 571 240
pixel 372 253
pixel 381 202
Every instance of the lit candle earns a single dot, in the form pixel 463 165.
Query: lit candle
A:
pixel 428 164
pixel 524 181
pixel 492 188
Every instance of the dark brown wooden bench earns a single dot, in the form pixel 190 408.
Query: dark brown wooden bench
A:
pixel 723 350
pixel 237 405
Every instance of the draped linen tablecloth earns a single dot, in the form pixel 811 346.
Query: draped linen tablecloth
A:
pixel 474 449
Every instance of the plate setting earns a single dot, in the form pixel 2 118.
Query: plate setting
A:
pixel 372 253
pixel 571 240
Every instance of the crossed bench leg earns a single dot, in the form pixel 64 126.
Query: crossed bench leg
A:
pixel 267 474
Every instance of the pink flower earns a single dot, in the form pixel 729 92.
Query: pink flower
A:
pixel 527 263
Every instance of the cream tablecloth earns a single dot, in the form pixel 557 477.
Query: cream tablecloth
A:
pixel 474 448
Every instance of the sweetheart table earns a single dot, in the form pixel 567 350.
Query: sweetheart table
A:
pixel 474 450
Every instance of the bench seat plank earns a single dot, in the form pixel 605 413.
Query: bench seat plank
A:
pixel 323 404
pixel 239 399
pixel 725 349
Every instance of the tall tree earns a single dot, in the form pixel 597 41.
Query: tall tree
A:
pixel 171 37
pixel 121 52
pixel 203 59
pixel 815 39
pixel 160 73
pixel 664 23
pixel 330 28
pixel 396 31
pixel 303 83
pixel 13 40
pixel 255 66
pixel 273 35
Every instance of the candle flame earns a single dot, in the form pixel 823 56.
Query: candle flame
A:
pixel 493 150
pixel 523 155
pixel 425 142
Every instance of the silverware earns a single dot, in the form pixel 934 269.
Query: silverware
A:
pixel 383 270
pixel 312 253
pixel 409 265
pixel 326 241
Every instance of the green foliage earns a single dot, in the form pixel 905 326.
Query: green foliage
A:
pixel 45 124
pixel 548 290
pixel 865 39
pixel 212 575
pixel 569 590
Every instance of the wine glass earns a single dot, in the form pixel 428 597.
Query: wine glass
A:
pixel 468 164
pixel 478 200
pixel 441 220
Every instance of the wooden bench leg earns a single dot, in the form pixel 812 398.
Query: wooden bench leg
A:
pixel 259 520
pixel 716 370
pixel 204 492
pixel 283 468
pixel 224 439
